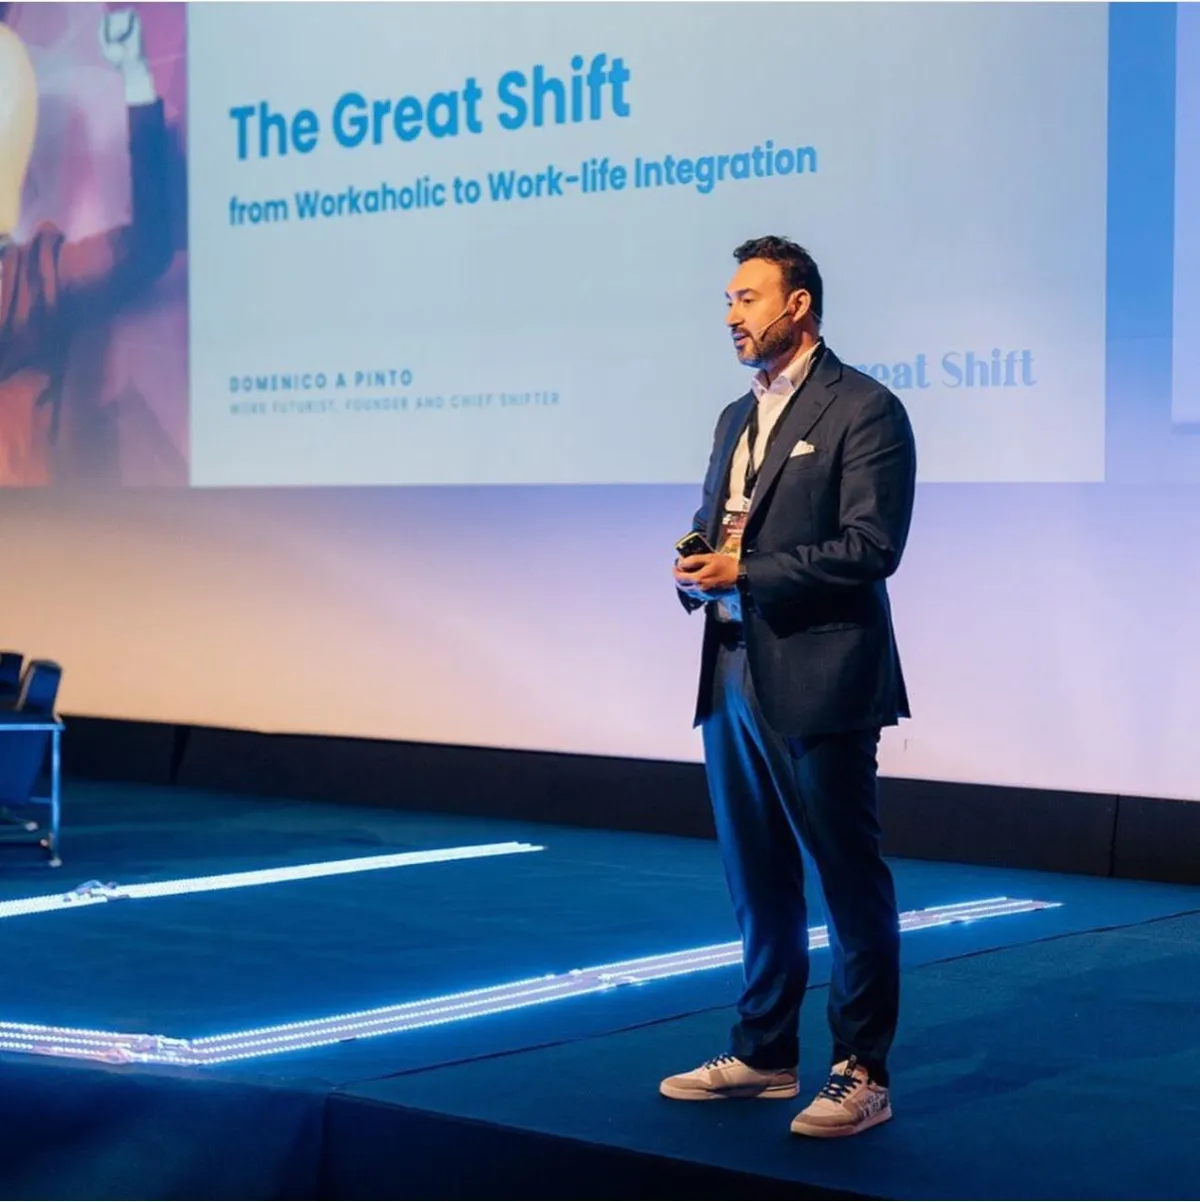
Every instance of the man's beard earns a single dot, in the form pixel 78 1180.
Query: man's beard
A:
pixel 774 346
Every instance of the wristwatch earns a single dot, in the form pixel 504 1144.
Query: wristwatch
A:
pixel 743 586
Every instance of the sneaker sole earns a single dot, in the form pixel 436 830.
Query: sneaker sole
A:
pixel 820 1131
pixel 747 1093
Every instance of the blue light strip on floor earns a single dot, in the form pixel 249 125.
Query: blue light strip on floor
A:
pixel 114 1047
pixel 94 893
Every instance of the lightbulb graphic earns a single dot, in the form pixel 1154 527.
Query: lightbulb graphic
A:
pixel 18 124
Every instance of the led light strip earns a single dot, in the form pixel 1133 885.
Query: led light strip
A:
pixel 391 1020
pixel 94 893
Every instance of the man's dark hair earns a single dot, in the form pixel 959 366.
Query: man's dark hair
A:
pixel 798 267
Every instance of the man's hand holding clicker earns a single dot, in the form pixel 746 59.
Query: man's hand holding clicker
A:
pixel 707 577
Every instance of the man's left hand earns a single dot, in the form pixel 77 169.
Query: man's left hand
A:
pixel 707 577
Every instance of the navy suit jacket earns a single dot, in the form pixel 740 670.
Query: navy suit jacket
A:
pixel 824 532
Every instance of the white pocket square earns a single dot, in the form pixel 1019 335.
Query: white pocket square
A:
pixel 802 448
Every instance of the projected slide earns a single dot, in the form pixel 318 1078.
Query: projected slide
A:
pixel 1185 391
pixel 458 244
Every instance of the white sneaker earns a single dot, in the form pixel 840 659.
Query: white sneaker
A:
pixel 728 1077
pixel 850 1102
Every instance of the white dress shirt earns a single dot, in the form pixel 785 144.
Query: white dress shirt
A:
pixel 772 399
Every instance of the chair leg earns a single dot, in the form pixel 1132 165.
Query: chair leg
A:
pixel 8 818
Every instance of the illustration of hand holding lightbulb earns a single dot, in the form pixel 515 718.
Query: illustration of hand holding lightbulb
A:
pixel 51 285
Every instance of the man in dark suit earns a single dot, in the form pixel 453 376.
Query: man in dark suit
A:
pixel 807 500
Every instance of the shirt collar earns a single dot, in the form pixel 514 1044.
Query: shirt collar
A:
pixel 789 379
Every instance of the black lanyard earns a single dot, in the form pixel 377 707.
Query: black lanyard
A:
pixel 754 469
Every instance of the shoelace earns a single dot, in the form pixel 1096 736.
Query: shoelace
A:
pixel 841 1085
pixel 719 1061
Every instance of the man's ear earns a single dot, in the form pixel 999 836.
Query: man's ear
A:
pixel 801 302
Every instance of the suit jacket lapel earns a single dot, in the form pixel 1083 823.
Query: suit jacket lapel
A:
pixel 734 431
pixel 815 395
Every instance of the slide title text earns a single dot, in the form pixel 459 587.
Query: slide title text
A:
pixel 590 91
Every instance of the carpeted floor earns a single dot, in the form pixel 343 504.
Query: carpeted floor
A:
pixel 1021 1033
pixel 1056 1069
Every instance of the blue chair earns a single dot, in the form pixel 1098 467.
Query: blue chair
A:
pixel 11 663
pixel 28 731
